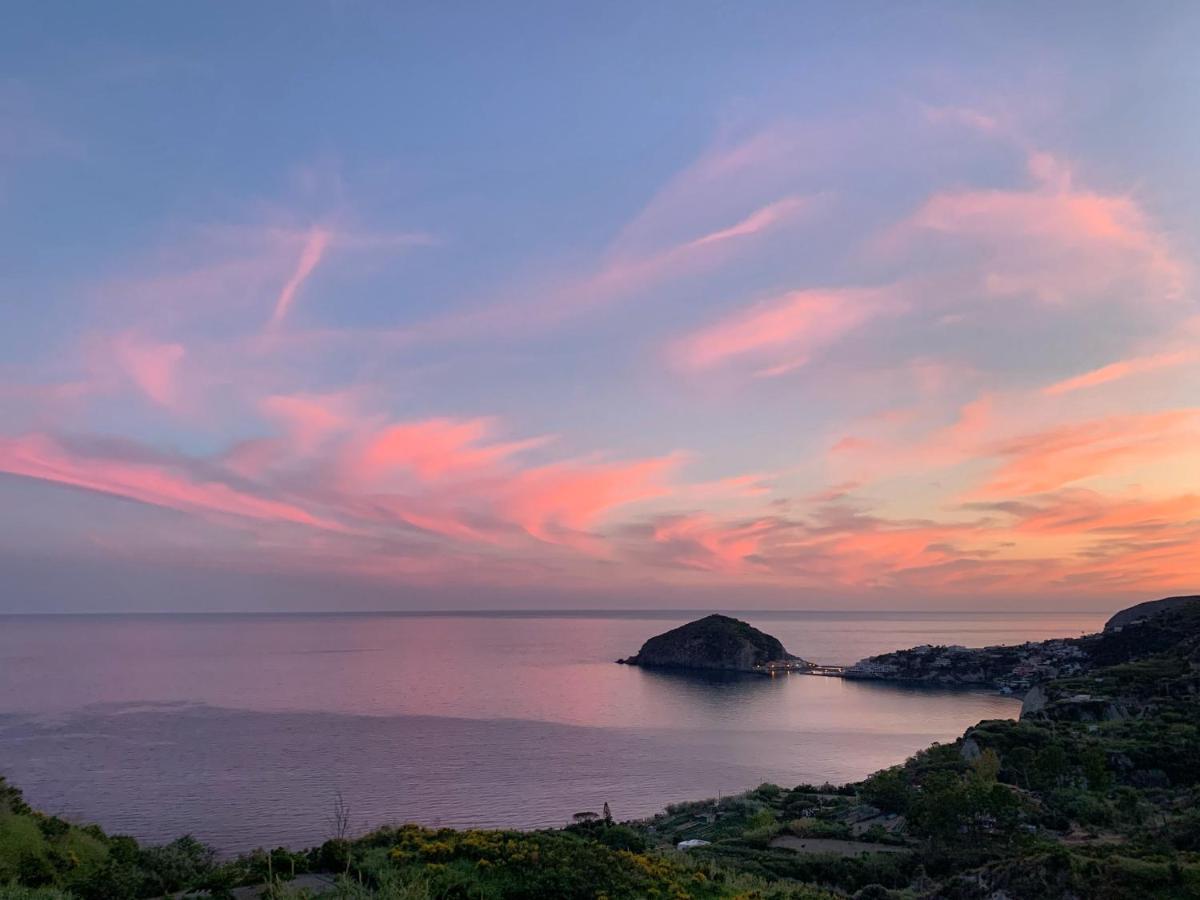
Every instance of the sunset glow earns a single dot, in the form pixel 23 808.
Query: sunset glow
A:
pixel 293 318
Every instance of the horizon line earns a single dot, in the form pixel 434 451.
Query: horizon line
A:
pixel 540 612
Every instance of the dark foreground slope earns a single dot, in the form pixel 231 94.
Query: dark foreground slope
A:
pixel 715 642
pixel 1093 794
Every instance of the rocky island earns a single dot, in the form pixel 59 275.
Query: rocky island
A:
pixel 718 643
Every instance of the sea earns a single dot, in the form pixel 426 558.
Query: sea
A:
pixel 248 730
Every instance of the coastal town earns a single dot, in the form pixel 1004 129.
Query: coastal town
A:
pixel 1018 668
pixel 1009 669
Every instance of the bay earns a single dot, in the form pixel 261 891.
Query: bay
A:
pixel 242 729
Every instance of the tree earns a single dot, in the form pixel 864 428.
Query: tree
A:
pixel 339 822
pixel 1049 766
pixel 889 790
pixel 1095 769
pixel 583 818
pixel 339 819
pixel 940 810
pixel 608 819
pixel 1020 761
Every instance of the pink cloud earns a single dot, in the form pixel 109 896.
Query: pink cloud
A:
pixel 758 221
pixel 310 256
pixel 551 502
pixel 700 541
pixel 151 365
pixel 780 334
pixel 1056 242
pixel 153 482
pixel 360 491
pixel 310 418
pixel 433 448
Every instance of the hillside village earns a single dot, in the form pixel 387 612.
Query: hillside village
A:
pixel 1009 669
pixel 1015 669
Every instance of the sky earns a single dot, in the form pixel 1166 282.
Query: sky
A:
pixel 355 305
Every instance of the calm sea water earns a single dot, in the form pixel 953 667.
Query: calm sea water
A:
pixel 242 729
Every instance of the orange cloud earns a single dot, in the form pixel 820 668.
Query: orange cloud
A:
pixel 1059 456
pixel 865 556
pixel 1082 512
pixel 1122 369
pixel 1169 564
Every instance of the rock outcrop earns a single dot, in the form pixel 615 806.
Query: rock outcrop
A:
pixel 1035 701
pixel 718 643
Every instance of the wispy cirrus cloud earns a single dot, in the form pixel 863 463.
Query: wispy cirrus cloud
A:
pixel 314 249
pixel 155 479
pixel 1069 453
pixel 627 269
pixel 780 334
pixel 432 449
pixel 235 275
pixel 1124 368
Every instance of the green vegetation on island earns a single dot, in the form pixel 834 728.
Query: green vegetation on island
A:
pixel 1093 793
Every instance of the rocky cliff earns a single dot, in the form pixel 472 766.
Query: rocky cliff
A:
pixel 715 642
pixel 1148 609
